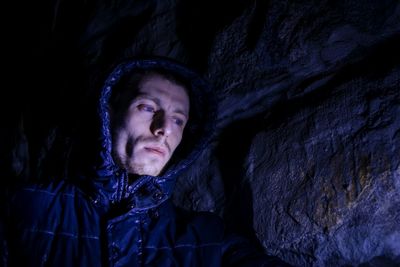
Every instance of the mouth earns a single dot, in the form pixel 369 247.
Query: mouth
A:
pixel 156 150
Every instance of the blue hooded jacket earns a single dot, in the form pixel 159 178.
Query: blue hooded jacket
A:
pixel 98 218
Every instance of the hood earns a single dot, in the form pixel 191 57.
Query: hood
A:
pixel 108 177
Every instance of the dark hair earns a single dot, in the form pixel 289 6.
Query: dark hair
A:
pixel 127 89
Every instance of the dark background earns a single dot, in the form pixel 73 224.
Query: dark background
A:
pixel 306 158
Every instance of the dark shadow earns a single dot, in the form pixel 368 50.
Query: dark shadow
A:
pixel 198 21
pixel 381 261
pixel 106 43
pixel 256 24
pixel 372 62
pixel 231 153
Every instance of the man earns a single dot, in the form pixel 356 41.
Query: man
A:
pixel 115 209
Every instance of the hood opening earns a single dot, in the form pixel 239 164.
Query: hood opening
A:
pixel 125 80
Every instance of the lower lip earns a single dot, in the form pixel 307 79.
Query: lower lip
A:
pixel 154 151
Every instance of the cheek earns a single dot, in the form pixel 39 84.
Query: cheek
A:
pixel 134 127
pixel 119 142
pixel 136 124
pixel 176 140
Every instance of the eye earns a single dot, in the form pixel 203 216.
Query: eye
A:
pixel 179 122
pixel 146 108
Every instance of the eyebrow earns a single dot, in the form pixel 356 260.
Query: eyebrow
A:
pixel 158 102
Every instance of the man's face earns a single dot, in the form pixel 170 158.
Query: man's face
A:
pixel 152 127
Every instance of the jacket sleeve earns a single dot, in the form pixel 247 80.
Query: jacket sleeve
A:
pixel 238 251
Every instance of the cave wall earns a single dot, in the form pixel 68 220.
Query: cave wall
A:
pixel 306 158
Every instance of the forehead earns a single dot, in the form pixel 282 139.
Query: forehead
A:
pixel 164 90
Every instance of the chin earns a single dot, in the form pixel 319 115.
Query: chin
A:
pixel 144 169
pixel 150 172
pixel 143 164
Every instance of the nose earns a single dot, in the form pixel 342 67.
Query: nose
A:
pixel 160 125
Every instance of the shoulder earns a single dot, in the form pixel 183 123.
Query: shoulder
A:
pixel 41 197
pixel 47 190
pixel 42 207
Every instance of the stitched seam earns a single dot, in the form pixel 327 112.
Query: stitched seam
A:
pixel 47 192
pixel 62 234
